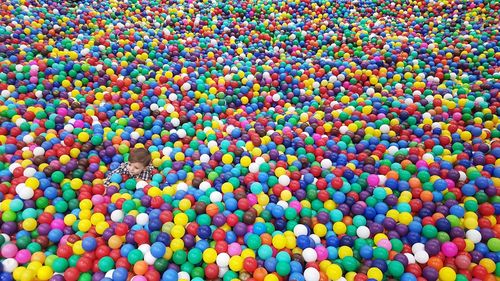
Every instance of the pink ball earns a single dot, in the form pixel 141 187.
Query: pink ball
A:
pixel 385 243
pixel 23 256
pixel 372 180
pixel 296 205
pixel 62 111
pixel 57 224
pixel 252 199
pixel 97 199
pixel 138 278
pixel 449 249
pixel 421 163
pixel 234 249
pixel 322 253
pixel 9 250
pixel 79 124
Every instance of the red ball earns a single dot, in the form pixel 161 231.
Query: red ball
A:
pixel 211 271
pixel 250 264
pixel 84 264
pixel 152 275
pixel 71 274
pixel 141 237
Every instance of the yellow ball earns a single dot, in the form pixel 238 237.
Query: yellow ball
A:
pixel 320 229
pixel 279 241
pixel 334 272
pixel 405 218
pixel 227 187
pixel 236 263
pixel 345 251
pixel 32 183
pixel 177 231
pixel 227 159
pixel 375 273
pixel 245 161
pixel 181 219
pixel 286 195
pixel 184 204
pixel 339 228
pixel 83 137
pixel 488 264
pixel 209 255
pixel 29 224
pixel 447 274
pixel 84 225
pixel 271 277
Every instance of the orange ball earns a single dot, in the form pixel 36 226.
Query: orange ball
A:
pixel 259 274
pixel 426 196
pixel 212 210
pixel 435 262
pixel 140 268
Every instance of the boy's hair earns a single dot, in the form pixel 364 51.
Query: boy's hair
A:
pixel 140 155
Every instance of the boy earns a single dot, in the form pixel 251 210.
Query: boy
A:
pixel 138 166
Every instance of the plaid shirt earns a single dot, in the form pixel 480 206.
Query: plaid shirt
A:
pixel 145 175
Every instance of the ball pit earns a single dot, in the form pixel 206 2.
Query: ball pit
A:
pixel 292 140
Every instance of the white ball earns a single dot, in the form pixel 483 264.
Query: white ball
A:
pixel 253 168
pixel 326 163
pixel 29 172
pixel 204 158
pixel 315 238
pixel 385 129
pixel 186 86
pixel 38 151
pixel 309 255
pixel 260 160
pixel 24 192
pixel 14 166
pixel 184 276
pixel 222 271
pixel 28 139
pixel 417 247
pixel 172 97
pixel 154 107
pixel 144 248
pixel 181 133
pixel 117 215
pixel 141 78
pixel 142 219
pixel 363 232
pixel 421 257
pixel 300 229
pixel 311 274
pixel 283 204
pixel 276 97
pixel 410 257
pixel 222 260
pixel 169 107
pixel 392 150
pixel 473 235
pixel 343 129
pixel 284 180
pixel 216 197
pixel 9 264
pixel 382 179
pixel 135 135
pixel 149 258
pixel 182 186
pixel 109 274
pixel 175 121
pixel 141 184
pixel 204 186
pixel 5 237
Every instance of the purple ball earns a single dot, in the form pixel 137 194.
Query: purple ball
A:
pixel 433 247
pixel 430 273
pixel 9 228
pixel 44 229
pixel 188 241
pixel 97 276
pixel 389 223
pixel 219 220
pixel 57 278
pixel 401 258
pixel 240 229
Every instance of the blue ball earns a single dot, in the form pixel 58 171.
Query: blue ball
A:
pixel 158 249
pixel 89 244
pixel 408 277
pixel 170 275
pixel 120 274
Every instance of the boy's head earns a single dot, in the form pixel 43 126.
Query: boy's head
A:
pixel 138 160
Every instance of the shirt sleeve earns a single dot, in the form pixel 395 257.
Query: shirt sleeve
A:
pixel 120 170
pixel 147 174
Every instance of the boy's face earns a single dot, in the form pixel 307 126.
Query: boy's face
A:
pixel 135 168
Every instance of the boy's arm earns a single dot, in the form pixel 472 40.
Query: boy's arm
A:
pixel 121 169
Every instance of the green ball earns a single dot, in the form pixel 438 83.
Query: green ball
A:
pixel 283 268
pixel 350 263
pixel 105 264
pixel 396 268
pixel 254 241
pixel 429 231
pixel 57 176
pixel 161 265
pixel 494 244
pixel 195 256
pixel 60 265
pixel 134 256
pixel 179 257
